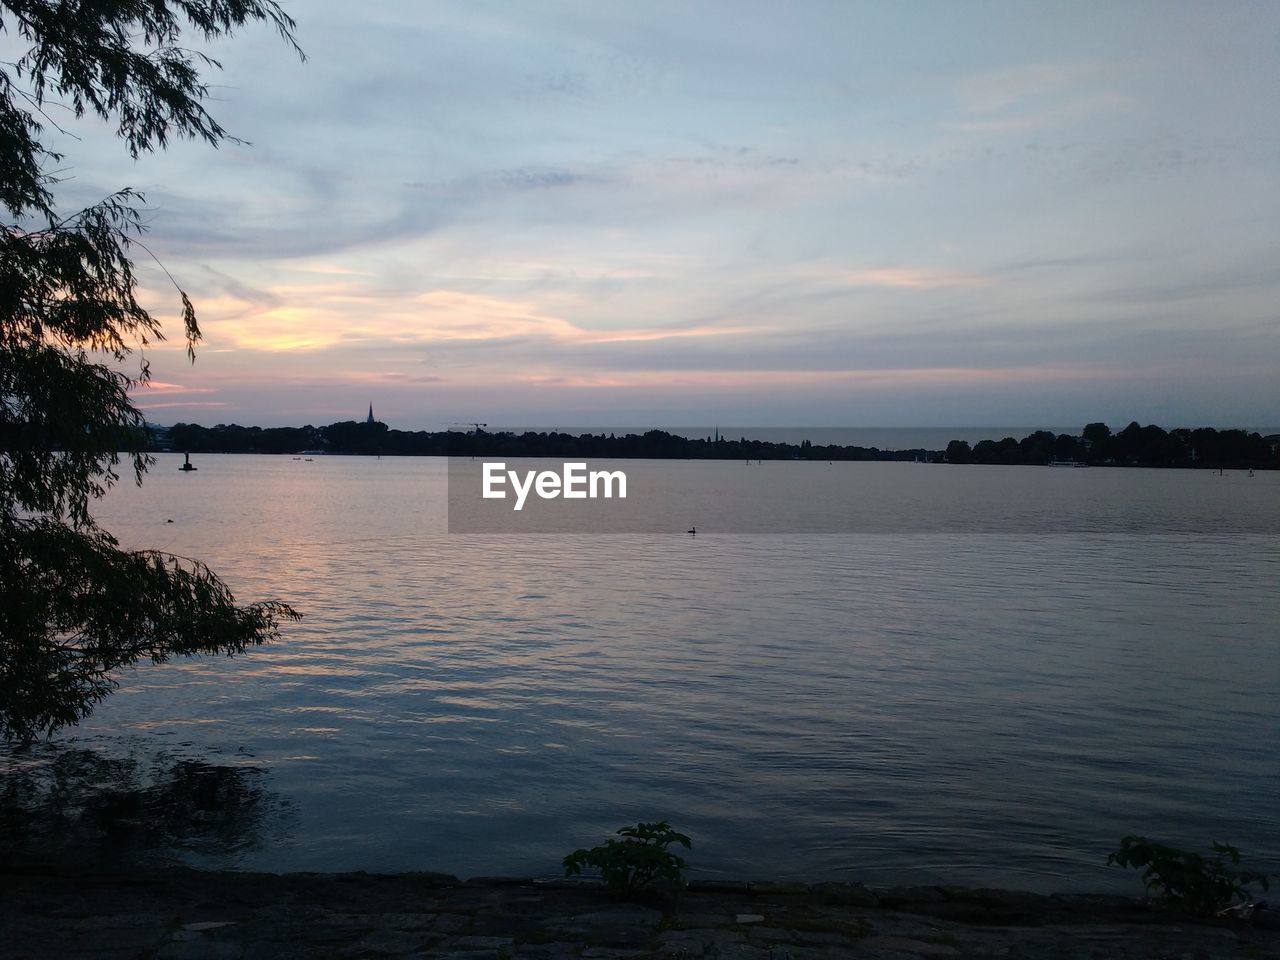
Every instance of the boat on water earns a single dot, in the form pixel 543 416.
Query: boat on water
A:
pixel 1067 463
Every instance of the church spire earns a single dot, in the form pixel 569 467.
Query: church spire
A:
pixel 370 419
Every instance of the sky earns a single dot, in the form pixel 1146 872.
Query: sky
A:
pixel 813 214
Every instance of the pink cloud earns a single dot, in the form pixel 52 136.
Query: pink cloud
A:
pixel 180 403
pixel 160 386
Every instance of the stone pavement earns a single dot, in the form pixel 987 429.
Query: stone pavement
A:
pixel 192 915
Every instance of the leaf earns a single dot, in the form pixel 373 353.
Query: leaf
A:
pixel 636 860
pixel 75 608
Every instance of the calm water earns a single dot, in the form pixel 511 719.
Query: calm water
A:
pixel 976 708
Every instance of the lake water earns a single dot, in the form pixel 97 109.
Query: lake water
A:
pixel 913 705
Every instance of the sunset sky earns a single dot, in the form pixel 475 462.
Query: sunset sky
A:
pixel 918 213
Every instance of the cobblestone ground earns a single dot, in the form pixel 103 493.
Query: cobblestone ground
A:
pixel 189 915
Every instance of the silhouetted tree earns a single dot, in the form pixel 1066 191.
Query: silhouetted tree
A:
pixel 352 436
pixel 1065 447
pixel 74 607
pixel 1038 447
pixel 1096 433
pixel 1148 446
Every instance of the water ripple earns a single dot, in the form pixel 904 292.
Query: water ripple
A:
pixel 983 709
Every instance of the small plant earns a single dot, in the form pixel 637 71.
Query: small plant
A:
pixel 636 861
pixel 1197 884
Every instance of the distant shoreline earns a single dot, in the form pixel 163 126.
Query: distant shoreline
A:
pixel 1096 445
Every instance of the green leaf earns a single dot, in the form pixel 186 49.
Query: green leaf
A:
pixel 636 861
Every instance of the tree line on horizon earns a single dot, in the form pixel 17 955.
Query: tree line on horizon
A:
pixel 1135 445
pixel 376 438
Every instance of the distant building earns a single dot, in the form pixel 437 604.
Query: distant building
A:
pixel 370 417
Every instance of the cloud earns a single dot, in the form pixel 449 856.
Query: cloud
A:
pixel 159 386
pixel 819 203
pixel 909 278
pixel 181 403
pixel 997 90
pixel 537 383
pixel 338 314
pixel 1055 116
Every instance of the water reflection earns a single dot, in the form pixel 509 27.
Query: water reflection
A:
pixel 992 710
pixel 90 807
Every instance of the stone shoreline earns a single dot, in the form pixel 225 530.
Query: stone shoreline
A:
pixel 195 915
